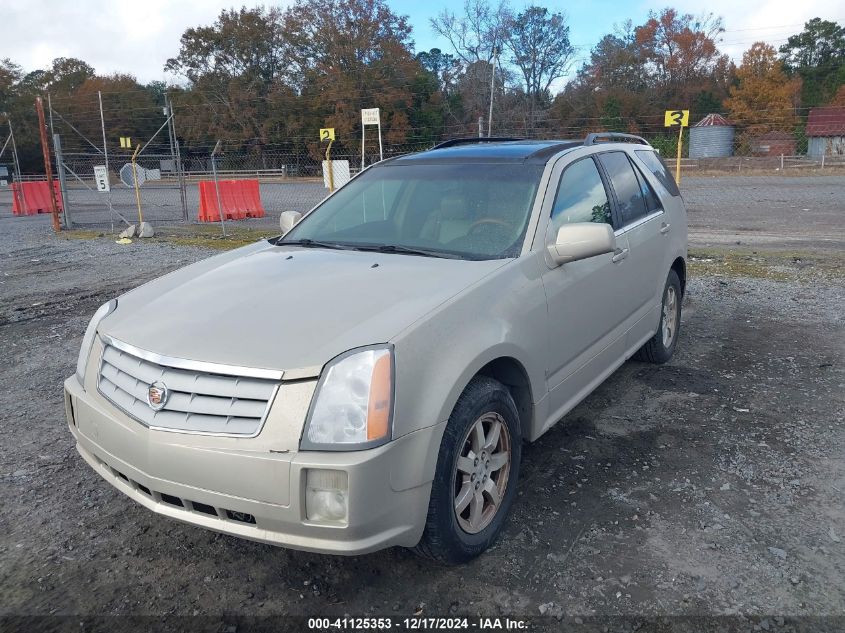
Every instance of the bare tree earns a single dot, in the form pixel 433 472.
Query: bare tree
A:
pixel 475 35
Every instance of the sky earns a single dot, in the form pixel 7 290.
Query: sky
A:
pixel 138 37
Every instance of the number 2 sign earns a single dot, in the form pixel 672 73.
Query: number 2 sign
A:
pixel 326 134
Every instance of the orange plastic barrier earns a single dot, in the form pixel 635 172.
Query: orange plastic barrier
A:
pixel 240 199
pixel 31 198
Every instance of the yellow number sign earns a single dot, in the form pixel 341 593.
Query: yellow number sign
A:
pixel 674 118
pixel 680 120
pixel 327 134
pixel 126 142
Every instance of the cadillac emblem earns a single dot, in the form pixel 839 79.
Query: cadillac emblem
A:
pixel 157 396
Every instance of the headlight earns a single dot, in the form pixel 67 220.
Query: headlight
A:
pixel 352 407
pixel 88 340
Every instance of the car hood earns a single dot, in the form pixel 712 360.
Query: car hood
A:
pixel 287 308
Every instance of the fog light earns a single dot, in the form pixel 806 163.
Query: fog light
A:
pixel 326 495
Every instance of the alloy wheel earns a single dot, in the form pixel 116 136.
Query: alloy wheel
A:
pixel 670 316
pixel 481 472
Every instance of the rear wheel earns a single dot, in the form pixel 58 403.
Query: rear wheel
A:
pixel 661 347
pixel 475 480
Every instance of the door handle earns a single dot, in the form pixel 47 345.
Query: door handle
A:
pixel 619 254
pixel 664 228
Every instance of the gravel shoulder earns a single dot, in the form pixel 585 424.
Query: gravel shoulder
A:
pixel 710 485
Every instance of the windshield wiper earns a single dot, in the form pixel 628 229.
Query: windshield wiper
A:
pixel 308 243
pixel 403 250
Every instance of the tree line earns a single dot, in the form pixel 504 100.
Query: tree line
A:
pixel 265 79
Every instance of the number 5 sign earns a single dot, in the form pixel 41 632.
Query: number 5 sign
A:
pixel 102 178
pixel 673 118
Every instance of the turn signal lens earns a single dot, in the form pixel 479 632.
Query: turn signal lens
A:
pixel 378 410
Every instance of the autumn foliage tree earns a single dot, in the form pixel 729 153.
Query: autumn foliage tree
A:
pixel 765 98
pixel 634 74
pixel 353 54
pixel 680 52
pixel 839 97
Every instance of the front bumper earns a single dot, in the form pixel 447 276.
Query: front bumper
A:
pixel 254 488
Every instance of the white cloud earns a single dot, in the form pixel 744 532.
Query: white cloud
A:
pixel 129 37
pixel 771 21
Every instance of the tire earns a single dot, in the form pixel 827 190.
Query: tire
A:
pixel 660 347
pixel 452 537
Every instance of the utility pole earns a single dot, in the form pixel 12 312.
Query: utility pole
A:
pixel 5 144
pixel 176 156
pixel 57 151
pixel 167 113
pixel 492 89
pixel 50 116
pixel 17 170
pixel 48 168
pixel 217 184
pixel 60 167
pixel 106 155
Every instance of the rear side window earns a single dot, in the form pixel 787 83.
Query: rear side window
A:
pixel 655 164
pixel 652 202
pixel 580 197
pixel 629 195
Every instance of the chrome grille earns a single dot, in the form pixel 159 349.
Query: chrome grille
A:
pixel 199 401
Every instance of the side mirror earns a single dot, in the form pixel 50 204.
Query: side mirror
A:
pixel 581 240
pixel 288 220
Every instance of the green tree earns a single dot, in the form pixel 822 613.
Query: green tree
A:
pixel 239 70
pixel 540 49
pixel 611 116
pixel 66 75
pixel 244 43
pixel 444 67
pixel 817 55
pixel 10 75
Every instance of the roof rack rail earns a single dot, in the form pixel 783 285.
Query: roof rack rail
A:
pixel 608 137
pixel 475 139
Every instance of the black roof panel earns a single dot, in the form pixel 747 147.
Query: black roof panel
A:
pixel 497 152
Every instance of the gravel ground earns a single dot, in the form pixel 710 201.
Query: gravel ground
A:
pixel 710 485
pixel 780 212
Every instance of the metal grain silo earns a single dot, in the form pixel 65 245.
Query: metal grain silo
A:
pixel 712 137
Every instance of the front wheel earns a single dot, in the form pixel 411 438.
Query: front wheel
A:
pixel 660 348
pixel 475 481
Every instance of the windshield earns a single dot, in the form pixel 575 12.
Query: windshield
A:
pixel 476 211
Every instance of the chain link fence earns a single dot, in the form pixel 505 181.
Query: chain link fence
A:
pixel 168 190
pixel 293 180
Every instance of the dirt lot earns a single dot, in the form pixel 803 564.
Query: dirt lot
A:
pixel 714 484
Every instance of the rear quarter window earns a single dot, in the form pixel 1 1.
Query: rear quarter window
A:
pixel 655 165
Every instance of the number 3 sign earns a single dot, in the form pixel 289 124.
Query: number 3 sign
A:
pixel 673 118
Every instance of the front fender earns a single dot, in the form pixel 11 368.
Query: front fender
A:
pixel 504 315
